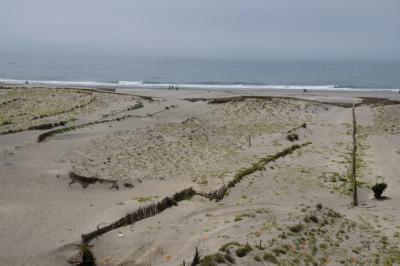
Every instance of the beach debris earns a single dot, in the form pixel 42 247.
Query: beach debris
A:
pixel 47 126
pixel 128 185
pixel 292 137
pixel 86 181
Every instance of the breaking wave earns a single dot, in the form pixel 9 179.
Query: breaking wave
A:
pixel 200 85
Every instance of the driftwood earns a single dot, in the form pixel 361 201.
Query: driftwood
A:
pixel 47 126
pixel 237 99
pixel 374 101
pixel 86 181
pixel 227 99
pixel 37 127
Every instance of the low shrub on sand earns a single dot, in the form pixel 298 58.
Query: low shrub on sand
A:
pixel 243 251
pixel 268 257
pixel 378 189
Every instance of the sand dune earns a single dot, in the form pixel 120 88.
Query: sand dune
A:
pixel 297 206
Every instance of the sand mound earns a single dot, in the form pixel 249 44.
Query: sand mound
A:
pixel 30 108
pixel 316 236
pixel 207 149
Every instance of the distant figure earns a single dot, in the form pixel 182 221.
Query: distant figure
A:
pixel 176 87
pixel 26 82
pixel 305 90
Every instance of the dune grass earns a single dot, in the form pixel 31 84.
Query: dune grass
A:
pixel 262 162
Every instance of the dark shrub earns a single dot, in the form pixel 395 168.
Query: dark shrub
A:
pixel 270 258
pixel 378 189
pixel 292 137
pixel 242 251
pixel 296 228
pixel 208 261
pixel 87 256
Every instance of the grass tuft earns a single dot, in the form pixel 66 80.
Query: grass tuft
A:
pixel 243 251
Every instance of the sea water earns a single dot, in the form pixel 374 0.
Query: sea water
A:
pixel 206 73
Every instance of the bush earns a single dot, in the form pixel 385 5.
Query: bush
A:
pixel 219 258
pixel 296 228
pixel 208 261
pixel 378 189
pixel 242 251
pixel 270 258
pixel 86 256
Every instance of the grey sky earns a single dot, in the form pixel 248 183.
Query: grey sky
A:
pixel 252 28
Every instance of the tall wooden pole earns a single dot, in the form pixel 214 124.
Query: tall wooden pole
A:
pixel 355 197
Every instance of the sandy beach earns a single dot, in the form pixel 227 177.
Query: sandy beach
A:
pixel 74 160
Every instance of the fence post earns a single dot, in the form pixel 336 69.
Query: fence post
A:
pixel 355 196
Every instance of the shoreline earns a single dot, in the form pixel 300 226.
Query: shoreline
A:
pixel 214 87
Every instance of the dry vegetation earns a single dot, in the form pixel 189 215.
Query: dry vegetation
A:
pixel 24 109
pixel 317 236
pixel 266 160
pixel 207 149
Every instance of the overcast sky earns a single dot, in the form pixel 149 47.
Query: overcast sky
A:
pixel 226 28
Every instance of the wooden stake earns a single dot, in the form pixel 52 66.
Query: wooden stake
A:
pixel 355 196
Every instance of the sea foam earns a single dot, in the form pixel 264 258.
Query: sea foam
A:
pixel 207 86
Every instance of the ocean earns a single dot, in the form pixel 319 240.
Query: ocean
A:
pixel 206 73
